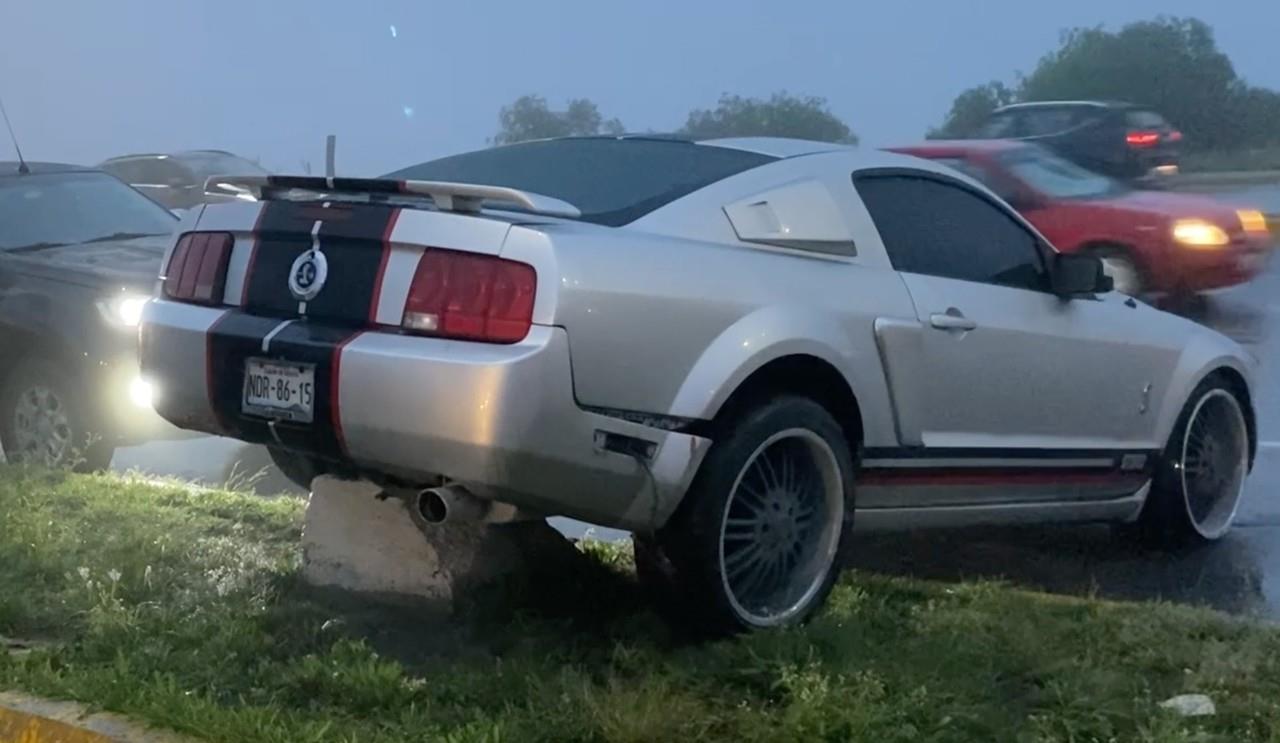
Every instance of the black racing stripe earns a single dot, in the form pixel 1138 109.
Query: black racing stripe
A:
pixel 351 237
pixel 233 339
pixel 313 183
pixel 238 337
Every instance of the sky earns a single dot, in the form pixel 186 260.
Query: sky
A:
pixel 403 81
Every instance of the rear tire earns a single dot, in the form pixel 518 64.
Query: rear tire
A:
pixel 44 419
pixel 759 540
pixel 1198 485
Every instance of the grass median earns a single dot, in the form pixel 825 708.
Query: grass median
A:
pixel 182 608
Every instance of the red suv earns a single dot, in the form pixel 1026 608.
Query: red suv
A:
pixel 1149 241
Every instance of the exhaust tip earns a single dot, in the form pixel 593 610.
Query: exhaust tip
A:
pixel 432 507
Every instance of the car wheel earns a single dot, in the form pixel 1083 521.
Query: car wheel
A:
pixel 44 421
pixel 1124 272
pixel 759 539
pixel 1198 487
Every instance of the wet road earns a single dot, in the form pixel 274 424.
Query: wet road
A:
pixel 1240 574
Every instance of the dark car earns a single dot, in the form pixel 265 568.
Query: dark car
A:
pixel 1117 139
pixel 79 256
pixel 177 180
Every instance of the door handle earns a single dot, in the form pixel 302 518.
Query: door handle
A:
pixel 952 319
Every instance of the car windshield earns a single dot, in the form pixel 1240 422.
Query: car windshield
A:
pixel 219 163
pixel 1056 177
pixel 70 208
pixel 612 181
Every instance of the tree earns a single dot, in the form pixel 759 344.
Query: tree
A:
pixel 782 115
pixel 971 109
pixel 1170 64
pixel 530 118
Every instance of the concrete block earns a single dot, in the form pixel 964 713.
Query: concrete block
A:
pixel 356 541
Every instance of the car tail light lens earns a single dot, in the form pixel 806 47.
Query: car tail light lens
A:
pixel 1140 140
pixel 197 270
pixel 1174 136
pixel 470 297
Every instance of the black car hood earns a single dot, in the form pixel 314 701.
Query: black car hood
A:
pixel 132 262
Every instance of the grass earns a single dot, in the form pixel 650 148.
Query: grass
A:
pixel 182 608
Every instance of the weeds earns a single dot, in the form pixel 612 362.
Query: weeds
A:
pixel 182 607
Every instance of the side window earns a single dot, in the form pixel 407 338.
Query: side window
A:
pixel 939 229
pixel 1040 122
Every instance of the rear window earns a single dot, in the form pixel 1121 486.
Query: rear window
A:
pixel 611 181
pixel 1146 120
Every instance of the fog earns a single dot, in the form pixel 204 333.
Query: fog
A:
pixel 406 80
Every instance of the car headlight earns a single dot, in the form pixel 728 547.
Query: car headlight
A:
pixel 1198 233
pixel 125 310
pixel 1253 221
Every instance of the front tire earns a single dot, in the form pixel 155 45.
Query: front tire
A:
pixel 44 420
pixel 759 539
pixel 1200 482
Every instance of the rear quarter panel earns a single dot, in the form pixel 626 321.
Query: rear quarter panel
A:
pixel 663 325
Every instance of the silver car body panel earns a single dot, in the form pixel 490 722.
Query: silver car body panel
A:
pixel 671 314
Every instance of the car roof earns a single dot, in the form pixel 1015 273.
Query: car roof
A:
pixel 779 147
pixel 162 155
pixel 945 147
pixel 1029 105
pixel 10 168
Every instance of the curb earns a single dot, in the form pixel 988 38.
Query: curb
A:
pixel 29 719
pixel 20 727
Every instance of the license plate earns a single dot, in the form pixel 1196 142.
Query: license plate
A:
pixel 280 389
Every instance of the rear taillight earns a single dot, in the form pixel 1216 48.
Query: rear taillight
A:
pixel 1140 140
pixel 470 297
pixel 1174 136
pixel 197 270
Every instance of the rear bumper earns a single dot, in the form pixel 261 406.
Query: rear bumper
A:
pixel 501 420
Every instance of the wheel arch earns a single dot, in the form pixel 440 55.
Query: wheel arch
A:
pixel 801 375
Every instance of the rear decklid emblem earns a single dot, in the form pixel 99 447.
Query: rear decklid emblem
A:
pixel 308 274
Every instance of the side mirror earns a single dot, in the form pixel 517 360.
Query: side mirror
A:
pixel 1076 275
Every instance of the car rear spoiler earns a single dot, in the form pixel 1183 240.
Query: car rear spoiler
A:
pixel 453 197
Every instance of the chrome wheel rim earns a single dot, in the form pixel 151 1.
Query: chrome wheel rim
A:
pixel 1124 275
pixel 781 528
pixel 41 427
pixel 1214 462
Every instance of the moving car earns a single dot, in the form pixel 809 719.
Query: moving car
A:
pixel 1119 139
pixel 737 349
pixel 177 180
pixel 1150 241
pixel 79 251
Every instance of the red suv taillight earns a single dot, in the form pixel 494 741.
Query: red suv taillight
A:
pixel 197 269
pixel 1142 140
pixel 470 297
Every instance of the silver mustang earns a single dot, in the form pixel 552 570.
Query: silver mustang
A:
pixel 737 349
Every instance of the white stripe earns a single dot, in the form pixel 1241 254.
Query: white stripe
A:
pixel 396 279
pixel 266 341
pixel 962 463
